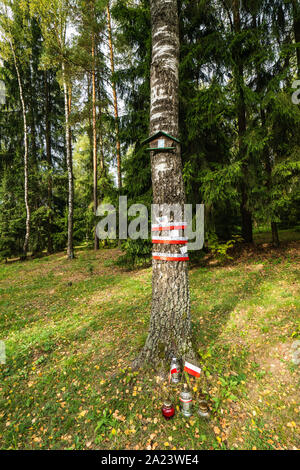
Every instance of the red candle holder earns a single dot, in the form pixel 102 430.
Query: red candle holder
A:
pixel 168 410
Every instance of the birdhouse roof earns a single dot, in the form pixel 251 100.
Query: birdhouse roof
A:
pixel 159 134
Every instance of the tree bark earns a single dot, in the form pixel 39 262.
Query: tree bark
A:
pixel 26 199
pixel 113 84
pixel 242 125
pixel 70 250
pixel 275 236
pixel 170 323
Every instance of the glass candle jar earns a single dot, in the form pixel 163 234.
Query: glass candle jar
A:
pixel 168 410
pixel 186 402
pixel 203 410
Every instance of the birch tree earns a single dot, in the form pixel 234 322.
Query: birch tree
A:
pixel 170 323
pixel 49 160
pixel 9 48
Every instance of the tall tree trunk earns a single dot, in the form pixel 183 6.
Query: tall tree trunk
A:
pixel 275 236
pixel 26 199
pixel 296 27
pixel 170 324
pixel 100 133
pixel 274 228
pixel 102 173
pixel 239 79
pixel 90 119
pixel 113 84
pixel 95 162
pixel 101 160
pixel 49 162
pixel 70 250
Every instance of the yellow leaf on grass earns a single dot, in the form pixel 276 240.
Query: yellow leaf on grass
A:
pixel 292 424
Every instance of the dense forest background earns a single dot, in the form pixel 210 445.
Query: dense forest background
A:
pixel 76 110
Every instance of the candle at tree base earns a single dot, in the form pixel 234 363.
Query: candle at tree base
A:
pixel 186 402
pixel 168 410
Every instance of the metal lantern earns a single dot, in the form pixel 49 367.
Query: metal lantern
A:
pixel 175 371
pixel 186 402
pixel 203 410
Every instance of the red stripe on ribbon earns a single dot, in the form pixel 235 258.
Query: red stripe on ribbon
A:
pixel 174 371
pixel 170 242
pixel 168 227
pixel 191 371
pixel 166 258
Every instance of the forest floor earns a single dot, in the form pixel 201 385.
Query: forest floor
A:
pixel 71 330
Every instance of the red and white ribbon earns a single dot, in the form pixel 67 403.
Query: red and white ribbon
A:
pixel 173 371
pixel 191 369
pixel 170 240
pixel 169 226
pixel 171 256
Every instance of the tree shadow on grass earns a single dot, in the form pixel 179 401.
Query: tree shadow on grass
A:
pixel 209 317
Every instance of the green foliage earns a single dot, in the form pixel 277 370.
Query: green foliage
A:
pixel 104 425
pixel 219 249
pixel 138 253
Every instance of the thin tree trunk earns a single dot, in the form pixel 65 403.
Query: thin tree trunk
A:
pixel 70 251
pixel 102 174
pixel 95 162
pixel 49 163
pixel 239 78
pixel 170 324
pixel 275 236
pixel 100 135
pixel 112 65
pixel 28 215
pixel 102 168
pixel 90 127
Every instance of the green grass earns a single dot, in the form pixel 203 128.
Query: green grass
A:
pixel 71 330
pixel 263 235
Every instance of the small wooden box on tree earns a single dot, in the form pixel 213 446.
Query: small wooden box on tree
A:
pixel 161 142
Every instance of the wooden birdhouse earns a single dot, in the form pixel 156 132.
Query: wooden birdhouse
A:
pixel 161 142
